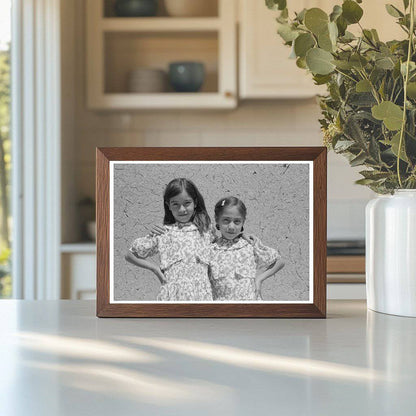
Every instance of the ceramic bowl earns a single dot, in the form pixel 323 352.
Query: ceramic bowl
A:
pixel 135 8
pixel 147 80
pixel 186 76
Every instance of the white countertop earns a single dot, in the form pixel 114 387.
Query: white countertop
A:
pixel 57 358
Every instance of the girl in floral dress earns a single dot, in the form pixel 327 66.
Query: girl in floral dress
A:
pixel 235 259
pixel 183 245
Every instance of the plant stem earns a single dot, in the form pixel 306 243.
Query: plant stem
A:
pixel 373 90
pixel 345 75
pixel 406 78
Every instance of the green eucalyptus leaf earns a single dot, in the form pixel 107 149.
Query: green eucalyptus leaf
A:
pixel 316 20
pixel 333 32
pixel 284 13
pixel 394 145
pixel 276 4
pixel 406 4
pixel 412 67
pixel 321 79
pixel 303 43
pixel 343 145
pixel 347 37
pixel 374 150
pixel 342 25
pixel 390 113
pixel 363 86
pixel 381 89
pixel 343 65
pixel 393 11
pixel 324 42
pixel 286 32
pixel 377 74
pixel 319 61
pixel 364 182
pixel 358 160
pixel 411 90
pixel 361 99
pixel 353 131
pixel 375 35
pixel 385 63
pixel 300 17
pixel 396 71
pixel 351 11
pixel 374 174
pixel 336 12
pixel 301 63
pixel 368 35
pixel 358 61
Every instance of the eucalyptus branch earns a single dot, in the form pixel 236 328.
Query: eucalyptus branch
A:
pixel 392 90
pixel 406 78
pixel 373 90
pixel 346 75
pixel 369 41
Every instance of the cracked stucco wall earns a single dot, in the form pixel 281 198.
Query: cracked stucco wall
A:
pixel 277 200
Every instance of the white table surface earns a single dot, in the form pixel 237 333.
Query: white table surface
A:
pixel 57 358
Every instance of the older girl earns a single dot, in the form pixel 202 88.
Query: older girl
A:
pixel 182 247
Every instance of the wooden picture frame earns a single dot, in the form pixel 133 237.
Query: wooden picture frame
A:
pixel 278 158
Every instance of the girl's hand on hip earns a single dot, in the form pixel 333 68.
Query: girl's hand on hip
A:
pixel 258 291
pixel 160 275
pixel 158 230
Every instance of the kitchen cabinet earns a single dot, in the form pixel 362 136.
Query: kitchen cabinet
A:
pixel 78 271
pixel 265 70
pixel 118 45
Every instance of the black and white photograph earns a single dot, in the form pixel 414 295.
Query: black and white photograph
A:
pixel 211 232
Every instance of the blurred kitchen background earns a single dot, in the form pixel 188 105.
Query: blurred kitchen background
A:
pixel 118 88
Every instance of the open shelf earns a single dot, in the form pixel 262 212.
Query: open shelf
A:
pixel 128 51
pixel 116 46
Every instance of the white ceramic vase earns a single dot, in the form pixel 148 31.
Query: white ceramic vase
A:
pixel 391 253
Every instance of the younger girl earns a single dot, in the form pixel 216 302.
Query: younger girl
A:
pixel 235 259
pixel 182 247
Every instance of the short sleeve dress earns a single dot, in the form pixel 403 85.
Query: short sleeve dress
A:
pixel 184 261
pixel 233 265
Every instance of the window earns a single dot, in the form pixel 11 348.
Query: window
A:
pixel 5 145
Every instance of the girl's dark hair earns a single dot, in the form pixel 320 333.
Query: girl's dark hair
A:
pixel 230 201
pixel 175 187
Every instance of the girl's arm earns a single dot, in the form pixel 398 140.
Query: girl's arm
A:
pixel 145 264
pixel 158 230
pixel 270 271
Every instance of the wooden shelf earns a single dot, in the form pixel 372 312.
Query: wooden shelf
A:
pixel 346 269
pixel 346 264
pixel 159 24
pixel 80 247
pixel 163 101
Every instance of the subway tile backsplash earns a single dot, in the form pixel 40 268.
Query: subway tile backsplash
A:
pixel 257 123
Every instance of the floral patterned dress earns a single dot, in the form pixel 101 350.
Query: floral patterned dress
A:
pixel 233 265
pixel 183 261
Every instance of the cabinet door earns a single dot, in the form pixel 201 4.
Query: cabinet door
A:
pixel 265 68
